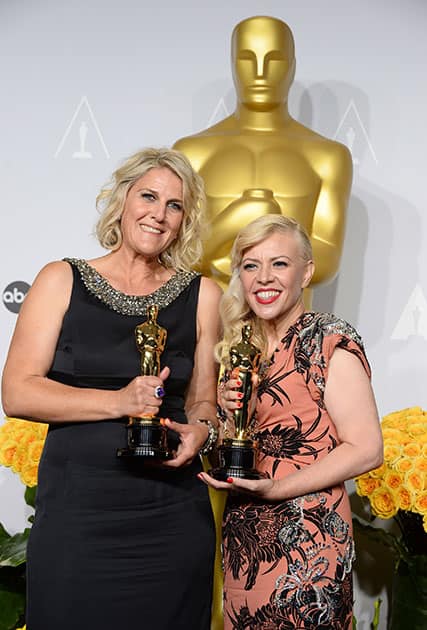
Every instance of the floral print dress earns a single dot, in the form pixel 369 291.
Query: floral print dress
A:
pixel 288 565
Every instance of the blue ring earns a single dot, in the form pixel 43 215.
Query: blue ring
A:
pixel 159 392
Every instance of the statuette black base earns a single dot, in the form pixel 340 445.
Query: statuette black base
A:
pixel 145 438
pixel 236 459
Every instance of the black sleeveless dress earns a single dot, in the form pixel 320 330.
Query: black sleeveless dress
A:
pixel 115 545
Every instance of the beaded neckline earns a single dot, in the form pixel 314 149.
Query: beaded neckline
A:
pixel 125 304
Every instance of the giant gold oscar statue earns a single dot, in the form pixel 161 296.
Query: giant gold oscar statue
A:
pixel 260 160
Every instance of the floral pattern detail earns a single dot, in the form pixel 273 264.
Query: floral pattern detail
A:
pixel 288 565
pixel 291 442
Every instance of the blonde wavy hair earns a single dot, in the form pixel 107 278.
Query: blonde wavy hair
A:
pixel 186 251
pixel 234 310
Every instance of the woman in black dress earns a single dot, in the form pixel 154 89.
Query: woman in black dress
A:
pixel 116 545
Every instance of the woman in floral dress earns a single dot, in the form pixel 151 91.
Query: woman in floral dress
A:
pixel 288 546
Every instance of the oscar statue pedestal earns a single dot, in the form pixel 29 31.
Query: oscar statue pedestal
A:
pixel 237 459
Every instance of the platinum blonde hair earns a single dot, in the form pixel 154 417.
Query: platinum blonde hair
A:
pixel 186 251
pixel 235 311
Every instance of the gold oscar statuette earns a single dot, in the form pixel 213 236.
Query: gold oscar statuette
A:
pixel 146 436
pixel 260 160
pixel 237 455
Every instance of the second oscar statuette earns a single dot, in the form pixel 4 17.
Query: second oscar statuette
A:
pixel 146 436
pixel 237 455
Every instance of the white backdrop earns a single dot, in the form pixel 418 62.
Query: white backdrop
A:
pixel 84 86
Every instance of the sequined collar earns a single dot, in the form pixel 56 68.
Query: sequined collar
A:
pixel 125 304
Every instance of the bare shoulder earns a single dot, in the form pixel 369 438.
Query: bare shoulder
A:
pixel 209 289
pixel 52 286
pixel 208 306
pixel 55 274
pixel 343 360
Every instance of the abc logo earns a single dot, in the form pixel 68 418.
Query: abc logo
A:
pixel 14 294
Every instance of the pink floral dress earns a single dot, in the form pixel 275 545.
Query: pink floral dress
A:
pixel 288 565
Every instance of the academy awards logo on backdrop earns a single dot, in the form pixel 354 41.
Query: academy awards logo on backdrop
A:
pixel 352 132
pixel 82 135
pixel 14 294
pixel 413 320
pixel 220 112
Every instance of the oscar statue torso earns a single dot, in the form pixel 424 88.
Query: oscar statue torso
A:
pixel 259 160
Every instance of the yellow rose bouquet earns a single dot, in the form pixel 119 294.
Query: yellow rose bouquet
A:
pixel 398 490
pixel 21 445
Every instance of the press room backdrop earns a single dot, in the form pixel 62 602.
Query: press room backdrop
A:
pixel 84 86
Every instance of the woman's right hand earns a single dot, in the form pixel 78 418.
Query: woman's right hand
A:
pixel 139 397
pixel 230 397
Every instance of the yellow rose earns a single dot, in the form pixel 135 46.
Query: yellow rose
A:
pixel 420 464
pixel 378 473
pixel 21 445
pixel 417 429
pixel 392 436
pixel 405 498
pixel 7 452
pixel 398 415
pixel 28 474
pixel 404 465
pixel 392 423
pixel 392 452
pixel 393 479
pixel 365 485
pixel 412 449
pixel 384 502
pixel 420 503
pixel 414 481
pixel 35 451
pixel 19 458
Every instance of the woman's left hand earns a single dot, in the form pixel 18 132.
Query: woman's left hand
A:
pixel 261 488
pixel 192 437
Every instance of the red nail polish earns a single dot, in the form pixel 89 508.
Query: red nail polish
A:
pixel 239 383
pixel 230 479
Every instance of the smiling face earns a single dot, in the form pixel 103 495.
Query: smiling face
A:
pixel 153 212
pixel 273 274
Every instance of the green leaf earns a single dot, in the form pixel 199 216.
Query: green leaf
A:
pixel 4 536
pixel 13 550
pixel 409 601
pixel 30 496
pixel 381 536
pixel 12 597
pixel 376 619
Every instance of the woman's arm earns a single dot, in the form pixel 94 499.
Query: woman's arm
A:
pixel 26 390
pixel 351 405
pixel 201 396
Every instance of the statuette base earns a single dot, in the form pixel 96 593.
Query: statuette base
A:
pixel 146 437
pixel 236 459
